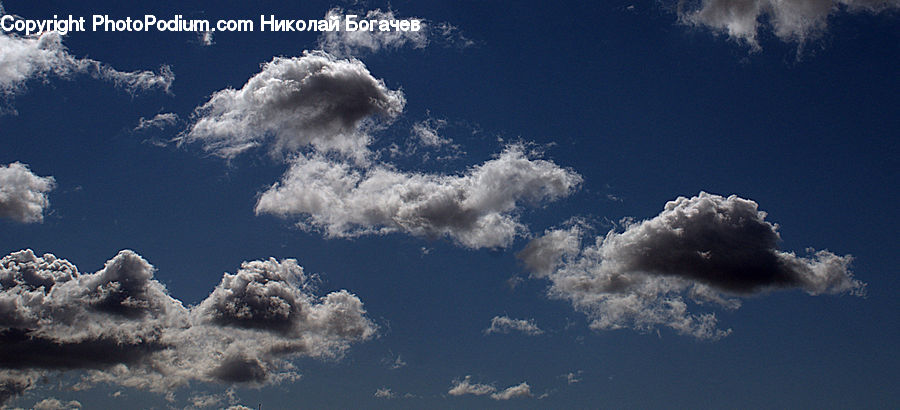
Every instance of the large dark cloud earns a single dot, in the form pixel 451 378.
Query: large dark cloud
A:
pixel 121 326
pixel 315 99
pixel 707 247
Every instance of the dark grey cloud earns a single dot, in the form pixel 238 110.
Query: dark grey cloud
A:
pixel 121 327
pixel 708 248
pixel 790 20
pixel 15 382
pixel 477 209
pixel 23 195
pixel 315 99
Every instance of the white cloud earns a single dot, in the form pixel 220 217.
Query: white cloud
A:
pixel 202 401
pixel 352 43
pixel 426 142
pixel 206 38
pixel 465 386
pixel 790 20
pixel 39 57
pixel 158 121
pixel 385 393
pixel 709 248
pixel 513 392
pixel 426 132
pixel 52 403
pixel 396 363
pixel 477 209
pixel 504 324
pixel 23 195
pixel 121 326
pixel 315 100
pixel 573 377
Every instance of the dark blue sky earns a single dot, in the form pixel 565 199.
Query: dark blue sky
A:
pixel 643 106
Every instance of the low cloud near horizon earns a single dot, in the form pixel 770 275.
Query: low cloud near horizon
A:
pixel 121 327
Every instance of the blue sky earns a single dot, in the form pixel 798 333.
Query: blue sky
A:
pixel 521 205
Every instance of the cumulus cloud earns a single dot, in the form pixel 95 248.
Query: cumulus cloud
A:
pixel 513 392
pixel 478 209
pixel 52 403
pixel 314 100
pixel 23 195
pixel 709 248
pixel 40 57
pixel 352 43
pixel 504 324
pixel 790 20
pixel 465 386
pixel 121 326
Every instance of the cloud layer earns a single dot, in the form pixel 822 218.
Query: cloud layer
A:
pixel 708 247
pixel 790 20
pixel 40 57
pixel 23 195
pixel 313 100
pixel 477 209
pixel 121 326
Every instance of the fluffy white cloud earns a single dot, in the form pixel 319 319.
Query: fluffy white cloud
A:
pixel 465 386
pixel 23 195
pixel 121 326
pixel 313 100
pixel 477 209
pixel 708 248
pixel 513 392
pixel 505 324
pixel 352 43
pixel 39 57
pixel 791 20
